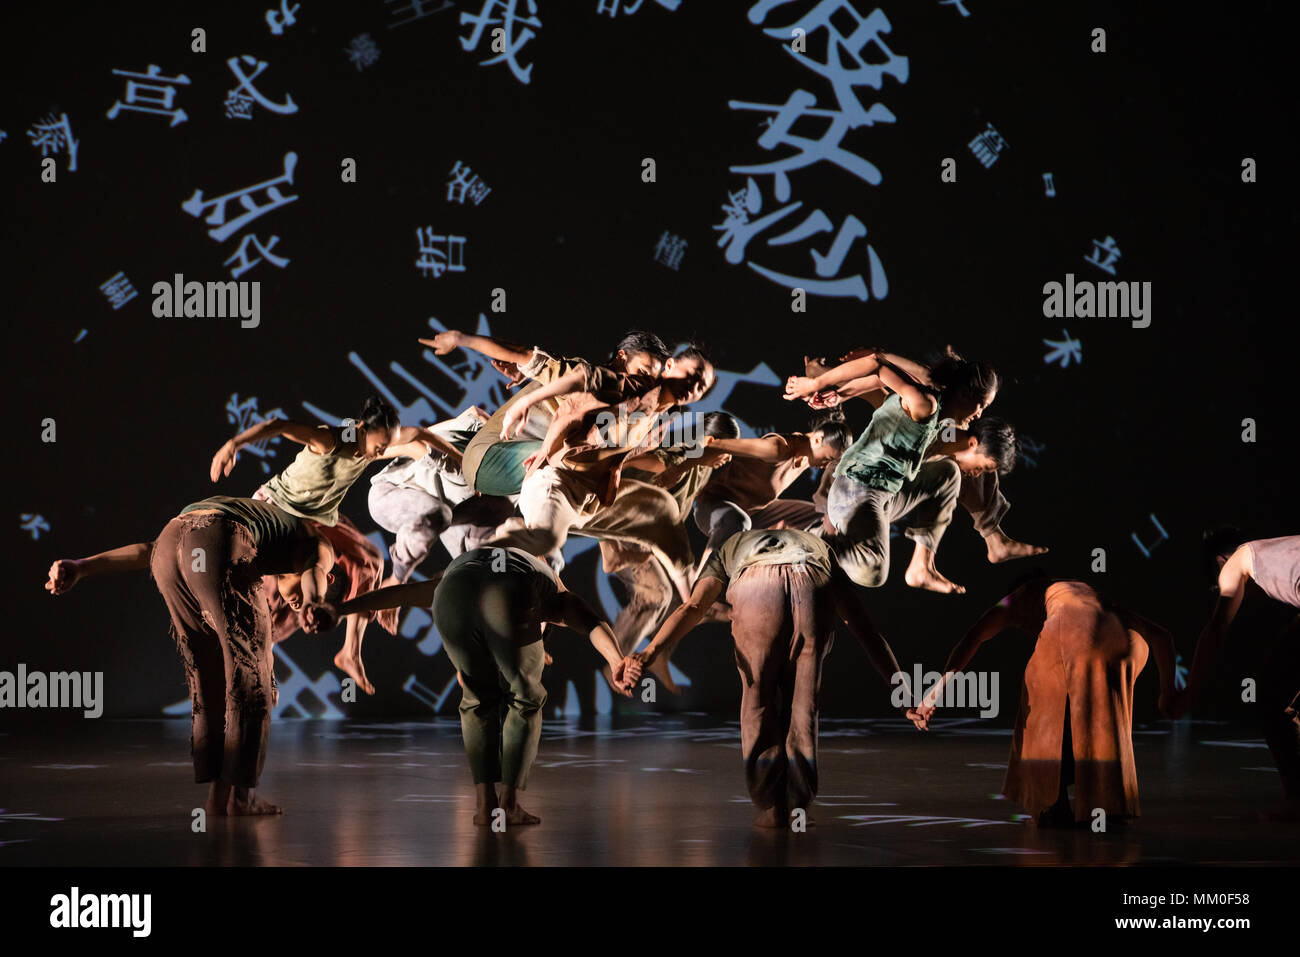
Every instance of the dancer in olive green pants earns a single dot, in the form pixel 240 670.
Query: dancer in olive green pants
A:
pixel 489 605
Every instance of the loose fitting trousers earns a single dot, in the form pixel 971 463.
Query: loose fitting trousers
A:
pixel 203 567
pixel 1279 703
pixel 484 620
pixel 783 626
pixel 863 514
pixel 415 517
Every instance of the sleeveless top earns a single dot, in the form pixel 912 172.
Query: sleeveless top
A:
pixel 1276 563
pixel 766 546
pixel 313 486
pixel 282 540
pixel 890 450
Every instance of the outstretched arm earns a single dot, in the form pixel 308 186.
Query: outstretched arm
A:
pixel 1021 610
pixel 575 614
pixel 1161 643
pixel 1236 571
pixel 415 442
pixel 681 621
pixel 498 349
pixel 316 438
pixel 572 381
pixel 66 572
pixel 770 448
pixel 410 595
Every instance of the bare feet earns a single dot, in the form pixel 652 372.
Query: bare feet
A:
pixel 659 668
pixel 245 802
pixel 355 669
pixel 1003 548
pixel 921 573
pixel 218 799
pixel 514 813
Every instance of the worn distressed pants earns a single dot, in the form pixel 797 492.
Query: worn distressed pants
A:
pixel 783 626
pixel 1279 708
pixel 203 566
pixel 484 620
pixel 863 514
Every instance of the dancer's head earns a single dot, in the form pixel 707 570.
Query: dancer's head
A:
pixel 688 375
pixel 376 426
pixel 966 387
pixel 314 548
pixel 991 445
pixel 720 425
pixel 1218 544
pixel 639 353
pixel 829 435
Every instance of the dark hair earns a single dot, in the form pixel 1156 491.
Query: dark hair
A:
pixel 958 378
pixel 636 340
pixel 834 429
pixel 377 413
pixel 1223 540
pixel 693 350
pixel 998 440
pixel 720 425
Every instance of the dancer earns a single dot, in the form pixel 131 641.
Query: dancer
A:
pixel 208 564
pixel 495 466
pixel 981 493
pixel 885 475
pixel 786 594
pixel 747 493
pixel 315 483
pixel 489 606
pixel 1273 564
pixel 1075 723
pixel 578 468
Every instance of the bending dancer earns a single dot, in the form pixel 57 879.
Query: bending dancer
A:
pixel 786 594
pixel 1273 564
pixel 885 474
pixel 208 564
pixel 981 493
pixel 494 465
pixel 489 605
pixel 747 492
pixel 315 483
pixel 577 471
pixel 1075 723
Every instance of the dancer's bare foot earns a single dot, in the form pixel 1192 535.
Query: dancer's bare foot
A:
pixel 1003 548
pixel 659 668
pixel 771 817
pixel 353 667
pixel 387 617
pixel 928 577
pixel 515 814
pixel 245 802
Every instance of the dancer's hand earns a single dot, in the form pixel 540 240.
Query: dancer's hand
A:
pixel 825 399
pixel 533 463
pixel 515 418
pixel 799 387
pixel 443 342
pixel 318 617
pixel 510 371
pixel 914 715
pixel 626 674
pixel 64 573
pixel 223 461
pixel 925 712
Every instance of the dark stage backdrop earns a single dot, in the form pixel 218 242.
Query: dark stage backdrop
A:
pixel 522 170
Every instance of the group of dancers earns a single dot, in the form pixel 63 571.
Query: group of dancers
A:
pixel 611 450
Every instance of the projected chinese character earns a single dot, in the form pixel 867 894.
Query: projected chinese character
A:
pixel 1107 248
pixel 987 146
pixel 362 52
pixel 53 135
pixel 156 96
pixel 118 291
pixel 33 523
pixel 215 208
pixel 277 20
pixel 241 94
pixel 1030 450
pixel 629 7
pixel 243 415
pixel 1064 351
pixel 511 38
pixel 439 254
pixel 462 184
pixel 959 4
pixel 669 250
